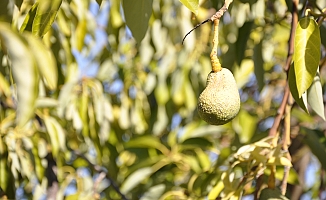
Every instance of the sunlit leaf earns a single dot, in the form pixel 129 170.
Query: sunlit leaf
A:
pixel 135 178
pixel 147 142
pixel 28 22
pixel 154 192
pixel 301 101
pixel 137 14
pixel 45 61
pixel 45 15
pixel 192 5
pixel 24 70
pixel 315 97
pixel 247 123
pixel 217 189
pixel 306 53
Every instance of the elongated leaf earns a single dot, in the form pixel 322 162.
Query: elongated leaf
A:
pixel 241 44
pixel 45 15
pixel 56 133
pixel 146 142
pixel 315 97
pixel 301 101
pixel 28 22
pixel 259 65
pixel 24 71
pixel 318 149
pixel 135 178
pixel 137 14
pixel 192 5
pixel 45 61
pixel 306 53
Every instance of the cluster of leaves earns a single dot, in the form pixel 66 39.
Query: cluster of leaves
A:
pixel 88 111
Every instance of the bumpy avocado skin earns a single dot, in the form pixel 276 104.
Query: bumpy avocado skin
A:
pixel 219 103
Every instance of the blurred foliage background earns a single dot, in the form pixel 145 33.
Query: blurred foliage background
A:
pixel 93 108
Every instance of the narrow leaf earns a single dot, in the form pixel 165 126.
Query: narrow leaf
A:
pixel 315 97
pixel 241 44
pixel 28 21
pixel 301 101
pixel 259 65
pixel 45 15
pixel 135 178
pixel 45 61
pixel 315 145
pixel 306 53
pixel 24 72
pixel 192 5
pixel 137 14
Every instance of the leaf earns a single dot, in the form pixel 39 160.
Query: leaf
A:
pixel 301 101
pixel 56 133
pixel 45 61
pixel 259 65
pixel 306 53
pixel 154 192
pixel 241 44
pixel 315 97
pixel 192 5
pixel 248 126
pixel 147 142
pixel 217 189
pixel 28 21
pixel 24 72
pixel 137 14
pixel 135 178
pixel 45 15
pixel 315 145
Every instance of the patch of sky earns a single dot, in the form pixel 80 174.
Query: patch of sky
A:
pixel 176 120
pixel 86 58
pixel 132 92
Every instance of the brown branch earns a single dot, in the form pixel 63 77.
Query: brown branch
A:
pixel 216 16
pixel 280 112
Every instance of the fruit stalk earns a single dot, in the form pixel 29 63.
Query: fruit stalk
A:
pixel 216 65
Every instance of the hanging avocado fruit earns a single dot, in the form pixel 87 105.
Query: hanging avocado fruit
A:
pixel 219 103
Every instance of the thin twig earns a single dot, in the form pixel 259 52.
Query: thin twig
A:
pixel 216 16
pixel 198 25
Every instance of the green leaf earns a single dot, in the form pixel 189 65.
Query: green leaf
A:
pixel 24 72
pixel 192 5
pixel 45 15
pixel 45 61
pixel 137 14
pixel 315 97
pixel 241 44
pixel 57 135
pixel 248 126
pixel 147 142
pixel 306 53
pixel 135 178
pixel 28 21
pixel 259 65
pixel 315 145
pixel 301 101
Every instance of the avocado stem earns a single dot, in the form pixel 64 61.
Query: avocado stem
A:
pixel 216 65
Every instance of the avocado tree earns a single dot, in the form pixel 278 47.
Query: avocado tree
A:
pixel 98 99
